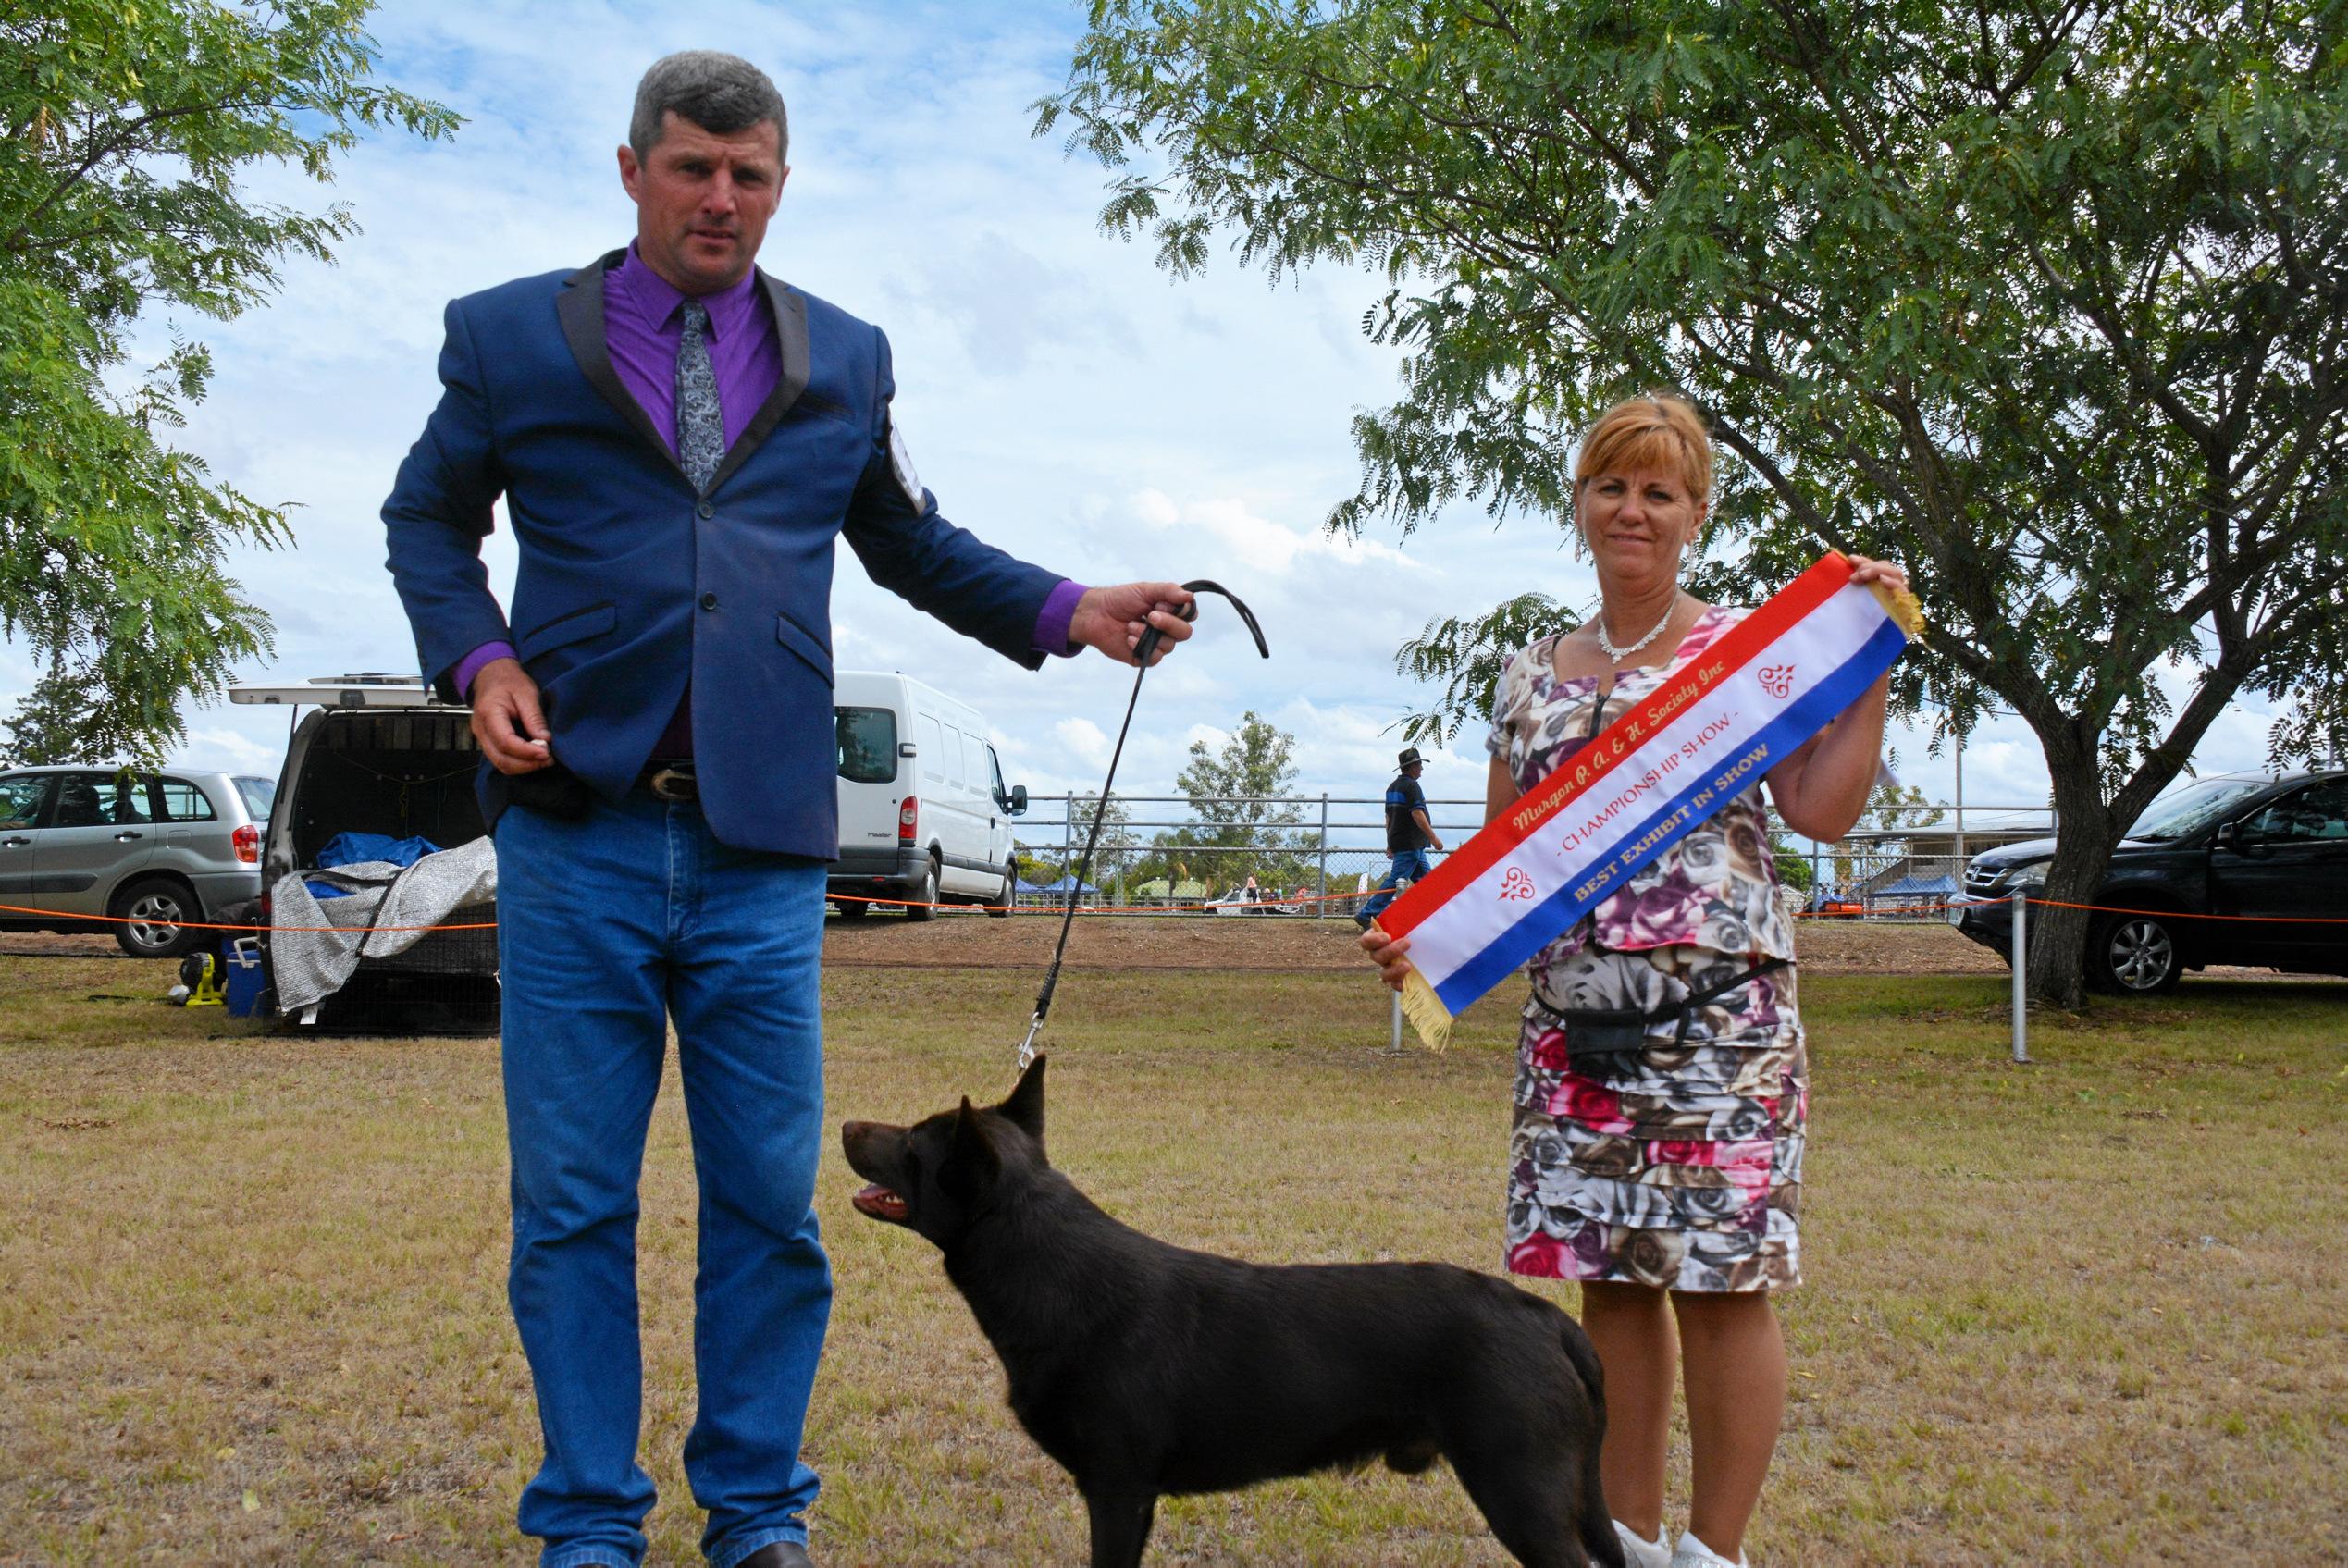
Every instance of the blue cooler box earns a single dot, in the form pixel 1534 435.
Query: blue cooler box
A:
pixel 242 988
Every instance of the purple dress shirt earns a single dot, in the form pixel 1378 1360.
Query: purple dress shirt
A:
pixel 643 324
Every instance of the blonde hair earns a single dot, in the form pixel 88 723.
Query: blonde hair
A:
pixel 1655 431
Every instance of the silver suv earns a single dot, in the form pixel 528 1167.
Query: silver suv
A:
pixel 152 850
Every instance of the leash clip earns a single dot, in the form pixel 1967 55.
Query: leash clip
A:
pixel 1027 1046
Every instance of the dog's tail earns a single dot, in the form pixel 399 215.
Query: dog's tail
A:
pixel 1597 1521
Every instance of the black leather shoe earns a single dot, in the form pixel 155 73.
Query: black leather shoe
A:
pixel 782 1554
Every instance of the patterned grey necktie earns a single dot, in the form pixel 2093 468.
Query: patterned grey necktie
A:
pixel 700 425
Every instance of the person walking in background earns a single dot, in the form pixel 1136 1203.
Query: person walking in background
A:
pixel 679 439
pixel 1409 834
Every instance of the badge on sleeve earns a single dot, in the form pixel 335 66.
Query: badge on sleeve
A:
pixel 901 461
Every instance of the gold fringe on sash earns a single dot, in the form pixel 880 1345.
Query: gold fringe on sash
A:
pixel 1903 607
pixel 1426 1011
pixel 1430 1018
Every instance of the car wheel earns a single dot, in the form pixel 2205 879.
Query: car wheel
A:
pixel 923 905
pixel 853 909
pixel 153 913
pixel 2135 955
pixel 1002 906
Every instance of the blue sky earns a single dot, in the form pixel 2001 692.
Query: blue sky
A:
pixel 1063 397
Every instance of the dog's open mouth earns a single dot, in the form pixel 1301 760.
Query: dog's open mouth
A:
pixel 877 1202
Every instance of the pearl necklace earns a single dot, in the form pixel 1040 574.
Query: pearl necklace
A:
pixel 1619 654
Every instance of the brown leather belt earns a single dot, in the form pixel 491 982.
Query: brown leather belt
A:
pixel 673 782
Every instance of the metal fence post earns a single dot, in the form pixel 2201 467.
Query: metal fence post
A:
pixel 2021 901
pixel 1320 905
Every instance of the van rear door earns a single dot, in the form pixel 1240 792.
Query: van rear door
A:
pixel 867 733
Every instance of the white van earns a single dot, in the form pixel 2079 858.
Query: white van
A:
pixel 923 813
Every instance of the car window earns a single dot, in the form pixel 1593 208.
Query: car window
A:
pixel 184 802
pixel 77 805
pixel 994 767
pixel 259 794
pixel 866 742
pixel 20 799
pixel 2317 812
pixel 97 801
pixel 933 747
pixel 2188 810
pixel 124 799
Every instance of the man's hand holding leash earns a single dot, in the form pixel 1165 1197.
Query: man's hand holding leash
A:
pixel 1113 620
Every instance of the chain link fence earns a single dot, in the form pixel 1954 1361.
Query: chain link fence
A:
pixel 1323 855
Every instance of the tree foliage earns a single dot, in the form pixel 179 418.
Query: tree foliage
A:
pixel 1465 654
pixel 58 722
pixel 1240 819
pixel 1113 853
pixel 2047 301
pixel 124 129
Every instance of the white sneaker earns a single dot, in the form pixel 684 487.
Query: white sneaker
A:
pixel 1693 1553
pixel 1656 1553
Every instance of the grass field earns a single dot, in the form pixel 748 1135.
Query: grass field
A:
pixel 252 1301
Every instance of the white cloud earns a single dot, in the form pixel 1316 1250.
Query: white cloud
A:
pixel 1082 739
pixel 1227 529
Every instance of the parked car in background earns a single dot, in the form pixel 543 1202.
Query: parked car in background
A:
pixel 2266 853
pixel 1827 902
pixel 146 853
pixel 924 815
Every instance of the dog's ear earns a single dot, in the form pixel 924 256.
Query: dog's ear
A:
pixel 970 1158
pixel 1024 1109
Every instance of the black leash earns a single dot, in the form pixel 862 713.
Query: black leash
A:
pixel 1151 637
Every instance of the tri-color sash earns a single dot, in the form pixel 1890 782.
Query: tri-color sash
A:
pixel 1742 706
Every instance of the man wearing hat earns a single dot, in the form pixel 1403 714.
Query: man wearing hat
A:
pixel 1409 834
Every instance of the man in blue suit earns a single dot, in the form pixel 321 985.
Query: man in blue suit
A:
pixel 679 439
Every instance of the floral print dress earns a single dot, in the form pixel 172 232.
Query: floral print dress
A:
pixel 1677 1164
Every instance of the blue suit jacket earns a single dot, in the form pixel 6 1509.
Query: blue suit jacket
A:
pixel 632 582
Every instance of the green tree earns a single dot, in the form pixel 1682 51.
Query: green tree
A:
pixel 1036 868
pixel 1240 821
pixel 58 722
pixel 1892 810
pixel 2049 302
pixel 1112 856
pixel 124 129
pixel 1793 866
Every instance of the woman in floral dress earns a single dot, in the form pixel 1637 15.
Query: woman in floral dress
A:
pixel 1664 1173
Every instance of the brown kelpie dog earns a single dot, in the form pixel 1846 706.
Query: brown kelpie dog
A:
pixel 1147 1369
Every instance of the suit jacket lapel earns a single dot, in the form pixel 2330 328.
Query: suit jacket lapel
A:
pixel 580 309
pixel 790 332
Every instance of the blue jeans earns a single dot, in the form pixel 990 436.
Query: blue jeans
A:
pixel 1410 865
pixel 606 927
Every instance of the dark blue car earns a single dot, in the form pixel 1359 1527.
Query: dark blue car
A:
pixel 2269 852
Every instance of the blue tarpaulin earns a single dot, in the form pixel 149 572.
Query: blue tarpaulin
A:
pixel 358 849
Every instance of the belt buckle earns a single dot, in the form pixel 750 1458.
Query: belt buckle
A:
pixel 674 785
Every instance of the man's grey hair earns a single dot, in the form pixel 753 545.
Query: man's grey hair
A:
pixel 722 94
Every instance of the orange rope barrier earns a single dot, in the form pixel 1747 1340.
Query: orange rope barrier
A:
pixel 214 925
pixel 1283 904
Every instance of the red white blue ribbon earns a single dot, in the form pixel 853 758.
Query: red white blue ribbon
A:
pixel 1705 735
